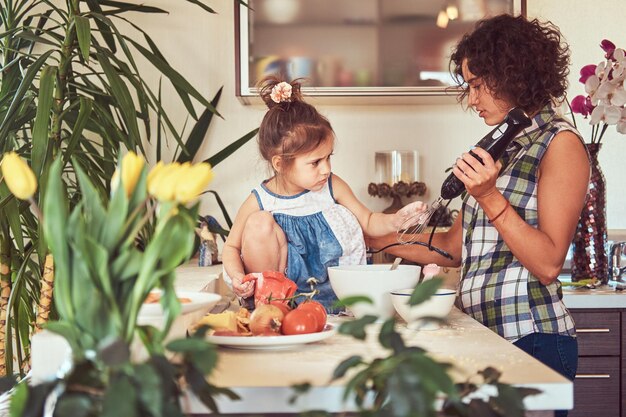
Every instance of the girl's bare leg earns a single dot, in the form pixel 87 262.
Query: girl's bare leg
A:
pixel 263 244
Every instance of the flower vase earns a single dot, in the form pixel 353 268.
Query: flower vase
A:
pixel 589 245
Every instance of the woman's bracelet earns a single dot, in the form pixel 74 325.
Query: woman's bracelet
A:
pixel 506 206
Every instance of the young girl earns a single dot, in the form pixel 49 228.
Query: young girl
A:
pixel 304 218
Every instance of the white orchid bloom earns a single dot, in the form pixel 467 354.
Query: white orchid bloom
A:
pixel 607 114
pixel 621 125
pixel 619 97
pixel 619 67
pixel 591 86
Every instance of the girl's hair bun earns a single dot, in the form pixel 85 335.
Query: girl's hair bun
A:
pixel 276 92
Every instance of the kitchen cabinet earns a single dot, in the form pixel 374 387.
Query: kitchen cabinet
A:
pixel 601 376
pixel 365 49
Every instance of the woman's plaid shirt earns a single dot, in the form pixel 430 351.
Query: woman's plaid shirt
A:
pixel 496 289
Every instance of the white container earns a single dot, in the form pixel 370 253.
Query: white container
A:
pixel 373 281
pixel 438 306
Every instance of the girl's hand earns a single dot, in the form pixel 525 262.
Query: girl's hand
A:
pixel 242 289
pixel 408 215
pixel 479 178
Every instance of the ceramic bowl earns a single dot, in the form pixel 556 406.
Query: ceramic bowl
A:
pixel 438 306
pixel 373 281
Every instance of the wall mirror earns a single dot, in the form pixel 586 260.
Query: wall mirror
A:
pixel 357 48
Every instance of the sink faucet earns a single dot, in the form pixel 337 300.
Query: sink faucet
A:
pixel 616 269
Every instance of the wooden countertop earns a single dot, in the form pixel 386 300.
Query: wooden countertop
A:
pixel 263 378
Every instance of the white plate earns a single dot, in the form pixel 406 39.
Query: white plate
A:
pixel 272 342
pixel 199 300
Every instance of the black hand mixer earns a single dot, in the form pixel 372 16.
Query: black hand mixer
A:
pixel 494 142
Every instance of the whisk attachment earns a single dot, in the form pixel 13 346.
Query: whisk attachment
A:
pixel 414 225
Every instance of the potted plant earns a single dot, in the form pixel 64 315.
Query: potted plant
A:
pixel 70 88
pixel 102 280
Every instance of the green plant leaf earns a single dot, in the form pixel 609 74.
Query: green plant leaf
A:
pixel 184 97
pixel 56 212
pixel 173 75
pixel 345 365
pixel 425 290
pixel 198 132
pixel 356 328
pixel 129 7
pixel 102 24
pixel 122 95
pixel 222 207
pixel 352 300
pixel 115 220
pixel 389 338
pixel 41 129
pixel 120 398
pixel 202 5
pixel 230 149
pixel 83 32
pixel 11 211
pixel 151 389
pixel 509 401
pixel 18 96
pixel 19 399
pixel 93 207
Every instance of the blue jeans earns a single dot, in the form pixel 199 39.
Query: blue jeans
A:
pixel 555 351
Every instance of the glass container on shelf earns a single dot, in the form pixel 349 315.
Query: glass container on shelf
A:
pixel 396 175
pixel 362 48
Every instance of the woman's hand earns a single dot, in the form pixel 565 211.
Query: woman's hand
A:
pixel 409 215
pixel 479 178
pixel 242 289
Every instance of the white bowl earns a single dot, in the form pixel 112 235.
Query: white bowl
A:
pixel 194 300
pixel 373 281
pixel 438 305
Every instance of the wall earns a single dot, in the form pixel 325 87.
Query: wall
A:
pixel 202 47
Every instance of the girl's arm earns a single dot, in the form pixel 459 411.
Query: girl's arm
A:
pixel 561 189
pixel 373 224
pixel 231 253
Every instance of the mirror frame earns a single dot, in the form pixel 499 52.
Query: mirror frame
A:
pixel 339 95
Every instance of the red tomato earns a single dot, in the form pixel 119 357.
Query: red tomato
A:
pixel 318 310
pixel 282 305
pixel 299 322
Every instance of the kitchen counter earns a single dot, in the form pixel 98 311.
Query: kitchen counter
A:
pixel 264 378
pixel 605 296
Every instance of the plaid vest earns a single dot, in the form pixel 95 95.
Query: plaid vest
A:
pixel 495 288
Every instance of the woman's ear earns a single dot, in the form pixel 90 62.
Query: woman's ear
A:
pixel 277 163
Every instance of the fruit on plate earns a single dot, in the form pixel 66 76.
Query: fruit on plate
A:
pixel 299 321
pixel 271 285
pixel 225 320
pixel 266 320
pixel 318 311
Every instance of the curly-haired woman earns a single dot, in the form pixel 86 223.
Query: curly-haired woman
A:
pixel 520 212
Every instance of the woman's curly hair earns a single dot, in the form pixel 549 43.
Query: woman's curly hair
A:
pixel 290 127
pixel 523 62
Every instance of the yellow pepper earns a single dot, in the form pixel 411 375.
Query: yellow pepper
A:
pixel 19 177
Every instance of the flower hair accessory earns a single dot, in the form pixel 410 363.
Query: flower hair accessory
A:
pixel 281 92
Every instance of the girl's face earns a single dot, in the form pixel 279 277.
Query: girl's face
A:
pixel 492 110
pixel 310 171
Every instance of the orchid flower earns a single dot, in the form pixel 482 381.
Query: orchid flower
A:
pixel 605 99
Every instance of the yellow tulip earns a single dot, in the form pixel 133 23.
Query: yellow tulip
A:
pixel 19 177
pixel 153 173
pixel 193 181
pixel 163 182
pixel 132 166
